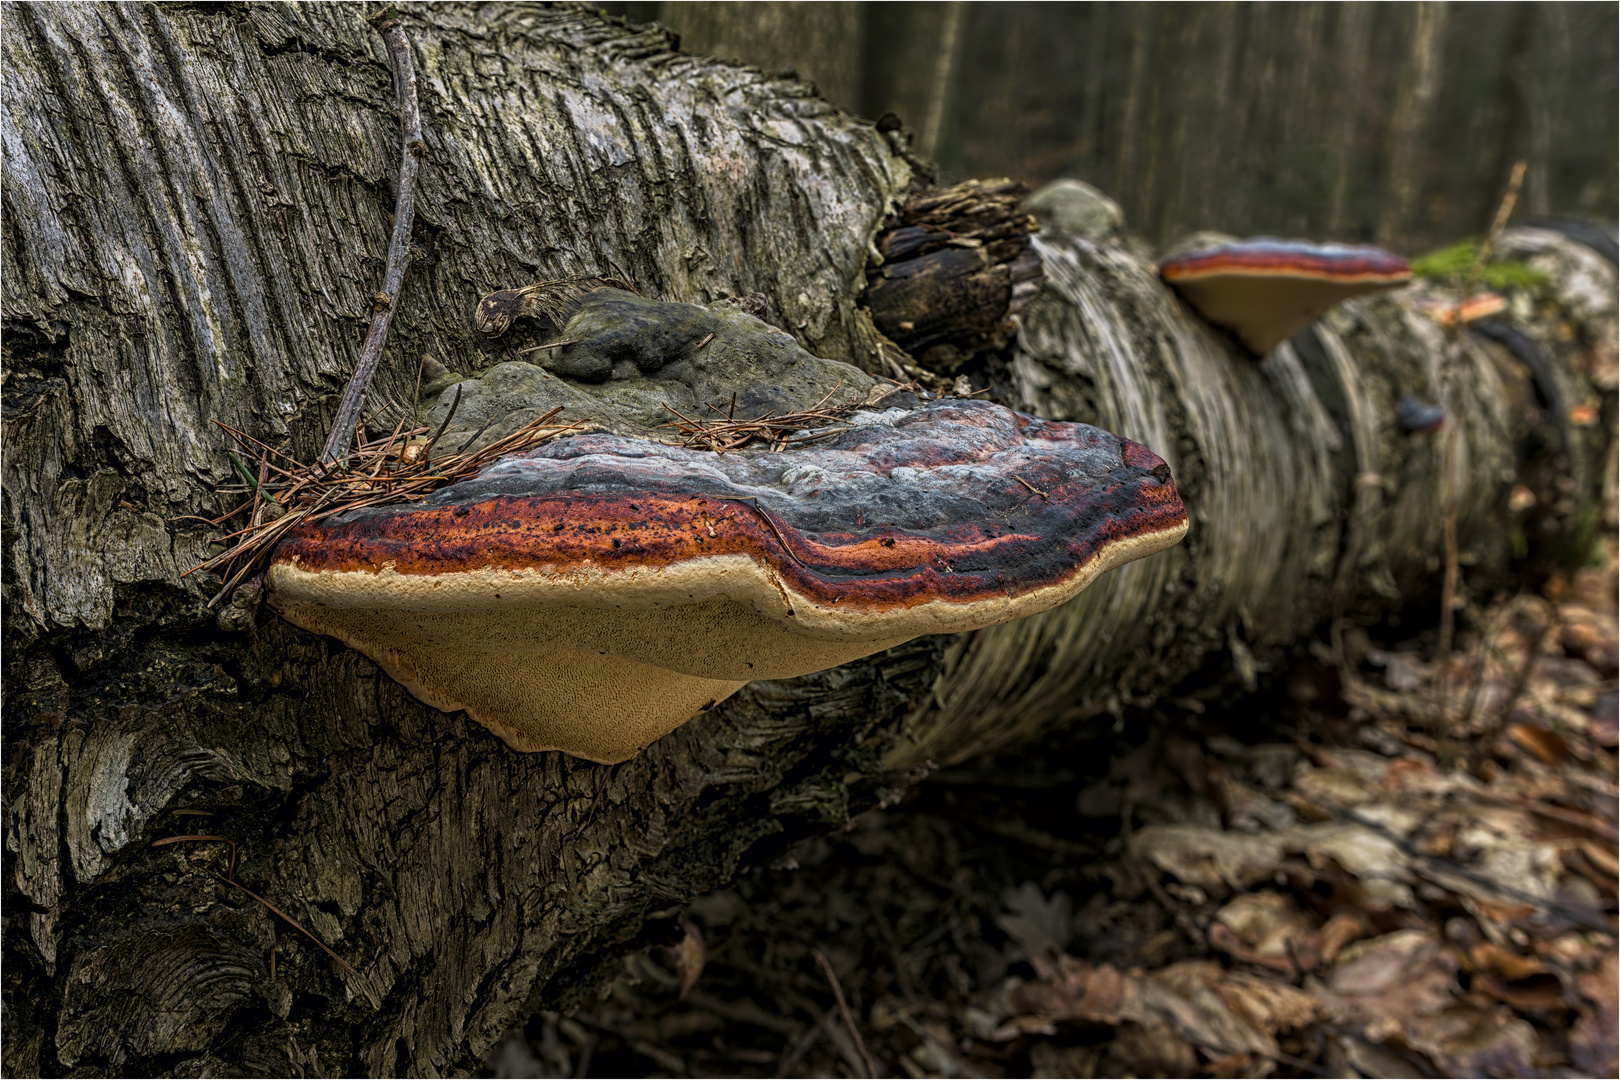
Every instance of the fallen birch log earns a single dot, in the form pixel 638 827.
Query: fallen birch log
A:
pixel 197 211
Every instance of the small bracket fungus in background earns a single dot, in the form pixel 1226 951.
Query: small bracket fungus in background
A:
pixel 595 593
pixel 1419 417
pixel 1265 290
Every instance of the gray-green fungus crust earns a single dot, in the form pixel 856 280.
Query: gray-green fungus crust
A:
pixel 629 360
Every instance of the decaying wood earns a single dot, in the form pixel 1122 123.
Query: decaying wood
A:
pixel 196 206
pixel 956 266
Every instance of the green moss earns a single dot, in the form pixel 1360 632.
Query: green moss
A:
pixel 1451 266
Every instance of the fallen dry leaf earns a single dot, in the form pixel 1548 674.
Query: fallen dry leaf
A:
pixel 1339 931
pixel 1604 720
pixel 1071 989
pixel 1539 993
pixel 1602 856
pixel 1271 1006
pixel 1376 861
pixel 1202 1019
pixel 1330 787
pixel 1593 1044
pixel 689 956
pixel 1466 1041
pixel 1034 922
pixel 1268 922
pixel 1545 745
pixel 1208 858
pixel 1405 974
pixel 1155 1050
pixel 1490 957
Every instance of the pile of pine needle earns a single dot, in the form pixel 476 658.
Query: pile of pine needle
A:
pixel 777 430
pixel 283 493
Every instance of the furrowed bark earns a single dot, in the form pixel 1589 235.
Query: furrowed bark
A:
pixel 196 211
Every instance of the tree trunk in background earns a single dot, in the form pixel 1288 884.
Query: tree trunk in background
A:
pixel 1513 118
pixel 1094 78
pixel 1136 92
pixel 1304 113
pixel 1544 90
pixel 821 42
pixel 1309 99
pixel 1414 101
pixel 939 85
pixel 1299 108
pixel 196 207
pixel 902 44
pixel 1252 173
pixel 1211 108
pixel 1180 182
pixel 1351 56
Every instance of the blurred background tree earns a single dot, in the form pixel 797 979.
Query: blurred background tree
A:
pixel 1355 121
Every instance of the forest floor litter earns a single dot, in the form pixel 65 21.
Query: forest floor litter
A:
pixel 1349 874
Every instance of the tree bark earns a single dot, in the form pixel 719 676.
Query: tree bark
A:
pixel 196 214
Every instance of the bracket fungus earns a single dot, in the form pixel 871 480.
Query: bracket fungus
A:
pixel 1265 290
pixel 595 593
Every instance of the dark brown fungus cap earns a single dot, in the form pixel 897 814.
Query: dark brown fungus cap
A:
pixel 1266 290
pixel 595 593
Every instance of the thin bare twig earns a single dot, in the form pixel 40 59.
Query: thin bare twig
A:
pixel 1031 486
pixel 296 925
pixel 449 416
pixel 410 123
pixel 843 1009
pixel 229 878
pixel 770 523
pixel 1503 212
pixel 551 345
